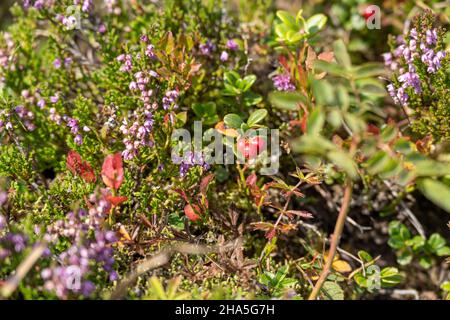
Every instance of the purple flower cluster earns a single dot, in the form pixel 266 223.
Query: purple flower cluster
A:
pixel 232 45
pixel 169 99
pixel 12 243
pixel 418 48
pixel 90 251
pixel 191 159
pixel 207 48
pixel 86 5
pixel 26 116
pixel 138 126
pixel 282 82
pixel 38 4
pixel 5 121
pixel 127 62
pixel 150 49
pixel 137 132
pixel 73 125
pixel 7 60
pixel 112 7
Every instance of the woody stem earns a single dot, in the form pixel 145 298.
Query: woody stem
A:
pixel 339 227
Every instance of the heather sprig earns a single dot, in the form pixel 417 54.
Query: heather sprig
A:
pixel 419 63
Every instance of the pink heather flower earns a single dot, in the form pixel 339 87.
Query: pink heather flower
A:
pixel 54 99
pixel 282 82
pixel 57 63
pixel 232 45
pixel 78 139
pixel 224 56
pixel 102 28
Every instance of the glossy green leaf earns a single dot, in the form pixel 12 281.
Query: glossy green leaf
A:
pixel 256 117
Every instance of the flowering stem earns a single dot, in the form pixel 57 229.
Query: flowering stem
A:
pixel 339 227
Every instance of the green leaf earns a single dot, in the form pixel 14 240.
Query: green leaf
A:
pixel 446 286
pixel 248 82
pixel 436 242
pixel 436 192
pixel 287 19
pixel 343 98
pixel 355 123
pixel 388 133
pixel 332 291
pixel 365 256
pixel 233 120
pixel 390 277
pixel 312 145
pixel 287 100
pixel 442 252
pixel 323 92
pixel 368 70
pixel 251 98
pixel 315 122
pixel 426 262
pixel 256 117
pixel 370 87
pixel 330 67
pixel 316 23
pixel 404 258
pixel 231 77
pixel 378 162
pixel 204 109
pixel 344 161
pixel 341 54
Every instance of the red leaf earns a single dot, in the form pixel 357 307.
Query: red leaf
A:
pixel 73 162
pixel 251 180
pixel 270 234
pixel 191 212
pixel 112 171
pixel 79 167
pixel 116 200
pixel 87 173
pixel 205 182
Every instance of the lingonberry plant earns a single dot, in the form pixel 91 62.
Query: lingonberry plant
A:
pixel 96 188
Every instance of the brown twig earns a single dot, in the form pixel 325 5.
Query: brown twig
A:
pixel 335 239
pixel 11 284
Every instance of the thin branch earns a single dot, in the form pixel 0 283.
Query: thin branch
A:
pixel 335 239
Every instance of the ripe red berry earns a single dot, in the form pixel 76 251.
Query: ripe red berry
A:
pixel 251 147
pixel 367 14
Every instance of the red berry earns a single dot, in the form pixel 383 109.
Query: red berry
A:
pixel 367 14
pixel 251 147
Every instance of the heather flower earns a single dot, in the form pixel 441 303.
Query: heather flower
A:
pixel 224 56
pixel 101 28
pixel 149 51
pixel 78 139
pixel 88 254
pixel 57 63
pixel 411 79
pixel 41 103
pixel 54 98
pixel 207 48
pixel 12 243
pixel 127 63
pixel 282 82
pixel 232 45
